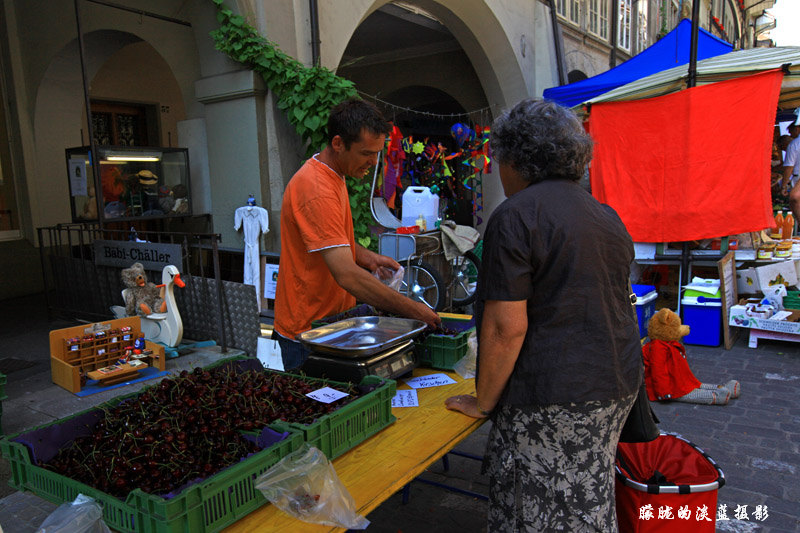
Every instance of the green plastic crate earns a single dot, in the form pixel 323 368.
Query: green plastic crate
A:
pixel 442 352
pixel 351 424
pixel 207 506
pixel 339 431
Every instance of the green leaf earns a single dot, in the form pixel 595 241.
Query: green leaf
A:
pixel 364 241
pixel 299 113
pixel 311 122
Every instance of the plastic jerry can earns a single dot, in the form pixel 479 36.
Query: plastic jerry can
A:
pixel 420 201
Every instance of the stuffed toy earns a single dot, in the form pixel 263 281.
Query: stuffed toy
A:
pixel 666 371
pixel 142 297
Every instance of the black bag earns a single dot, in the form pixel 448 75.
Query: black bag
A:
pixel 640 425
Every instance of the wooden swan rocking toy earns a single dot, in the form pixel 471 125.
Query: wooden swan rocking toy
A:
pixel 165 328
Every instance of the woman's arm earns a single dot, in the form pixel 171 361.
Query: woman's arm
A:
pixel 502 333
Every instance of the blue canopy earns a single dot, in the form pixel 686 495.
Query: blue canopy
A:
pixel 670 51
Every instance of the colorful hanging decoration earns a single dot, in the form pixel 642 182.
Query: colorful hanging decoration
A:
pixel 455 176
pixel 393 166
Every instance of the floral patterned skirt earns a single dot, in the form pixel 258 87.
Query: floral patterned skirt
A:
pixel 551 468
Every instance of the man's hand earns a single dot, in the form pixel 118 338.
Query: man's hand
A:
pixel 464 403
pixel 371 261
pixel 426 314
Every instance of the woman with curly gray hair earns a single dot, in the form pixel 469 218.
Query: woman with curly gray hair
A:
pixel 559 353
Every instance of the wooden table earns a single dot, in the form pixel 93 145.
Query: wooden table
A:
pixel 383 464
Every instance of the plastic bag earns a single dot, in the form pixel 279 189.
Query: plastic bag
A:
pixel 465 367
pixel 304 485
pixel 84 515
pixel 391 278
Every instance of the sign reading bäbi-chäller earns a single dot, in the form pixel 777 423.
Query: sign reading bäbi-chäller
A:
pixel 152 255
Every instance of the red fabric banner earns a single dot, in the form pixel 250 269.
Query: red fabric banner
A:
pixel 694 164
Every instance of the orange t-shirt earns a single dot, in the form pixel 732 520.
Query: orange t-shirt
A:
pixel 315 214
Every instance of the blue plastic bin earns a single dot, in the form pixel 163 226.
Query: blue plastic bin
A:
pixel 645 305
pixel 702 312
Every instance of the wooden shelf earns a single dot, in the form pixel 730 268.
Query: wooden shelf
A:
pixel 99 345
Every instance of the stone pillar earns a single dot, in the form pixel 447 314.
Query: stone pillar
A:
pixel 237 146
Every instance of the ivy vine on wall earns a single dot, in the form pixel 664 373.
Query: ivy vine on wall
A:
pixel 305 94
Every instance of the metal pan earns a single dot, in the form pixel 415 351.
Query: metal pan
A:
pixel 361 336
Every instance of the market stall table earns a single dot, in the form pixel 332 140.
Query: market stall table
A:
pixel 383 464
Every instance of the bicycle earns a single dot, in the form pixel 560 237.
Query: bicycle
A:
pixel 442 286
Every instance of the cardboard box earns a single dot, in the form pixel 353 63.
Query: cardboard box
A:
pixel 784 273
pixel 738 317
pixel 747 281
pixel 753 280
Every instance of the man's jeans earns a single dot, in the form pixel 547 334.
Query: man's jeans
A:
pixel 293 353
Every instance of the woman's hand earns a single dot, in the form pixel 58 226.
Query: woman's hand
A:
pixel 464 403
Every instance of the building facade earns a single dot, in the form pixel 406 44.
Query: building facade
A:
pixel 151 76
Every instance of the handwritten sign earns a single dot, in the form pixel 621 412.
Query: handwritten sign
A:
pixel 326 395
pixel 431 380
pixel 405 398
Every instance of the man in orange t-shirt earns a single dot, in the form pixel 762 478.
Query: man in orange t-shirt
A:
pixel 323 271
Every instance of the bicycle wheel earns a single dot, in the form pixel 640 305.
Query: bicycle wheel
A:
pixel 424 284
pixel 465 273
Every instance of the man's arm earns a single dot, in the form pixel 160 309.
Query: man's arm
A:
pixel 786 178
pixel 367 288
pixel 503 331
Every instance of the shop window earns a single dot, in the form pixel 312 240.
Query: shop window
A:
pixel 121 124
pixel 598 18
pixel 624 24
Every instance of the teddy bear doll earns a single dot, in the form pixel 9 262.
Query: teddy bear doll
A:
pixel 142 297
pixel 666 371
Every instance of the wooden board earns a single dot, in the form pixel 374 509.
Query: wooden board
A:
pixel 383 464
pixel 727 285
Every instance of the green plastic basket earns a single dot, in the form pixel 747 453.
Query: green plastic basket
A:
pixel 442 352
pixel 207 506
pixel 225 497
pixel 351 424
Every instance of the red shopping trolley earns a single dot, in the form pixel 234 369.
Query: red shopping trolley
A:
pixel 666 485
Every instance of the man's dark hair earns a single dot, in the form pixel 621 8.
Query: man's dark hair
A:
pixel 351 116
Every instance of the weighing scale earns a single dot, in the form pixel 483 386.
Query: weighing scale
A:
pixel 350 349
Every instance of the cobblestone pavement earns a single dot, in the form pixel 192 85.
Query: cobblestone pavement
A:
pixel 755 439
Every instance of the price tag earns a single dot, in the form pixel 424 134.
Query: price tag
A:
pixel 405 398
pixel 431 380
pixel 327 395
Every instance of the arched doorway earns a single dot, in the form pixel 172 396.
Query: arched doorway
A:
pixel 410 63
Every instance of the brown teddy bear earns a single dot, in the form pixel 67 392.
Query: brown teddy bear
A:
pixel 142 297
pixel 666 372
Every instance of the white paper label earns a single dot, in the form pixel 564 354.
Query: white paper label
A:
pixel 327 395
pixel 77 177
pixel 405 398
pixel 431 380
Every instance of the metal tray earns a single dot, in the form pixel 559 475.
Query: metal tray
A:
pixel 361 336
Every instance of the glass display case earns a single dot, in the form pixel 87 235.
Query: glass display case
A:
pixel 135 183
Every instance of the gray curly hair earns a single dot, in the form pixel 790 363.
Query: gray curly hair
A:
pixel 542 141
